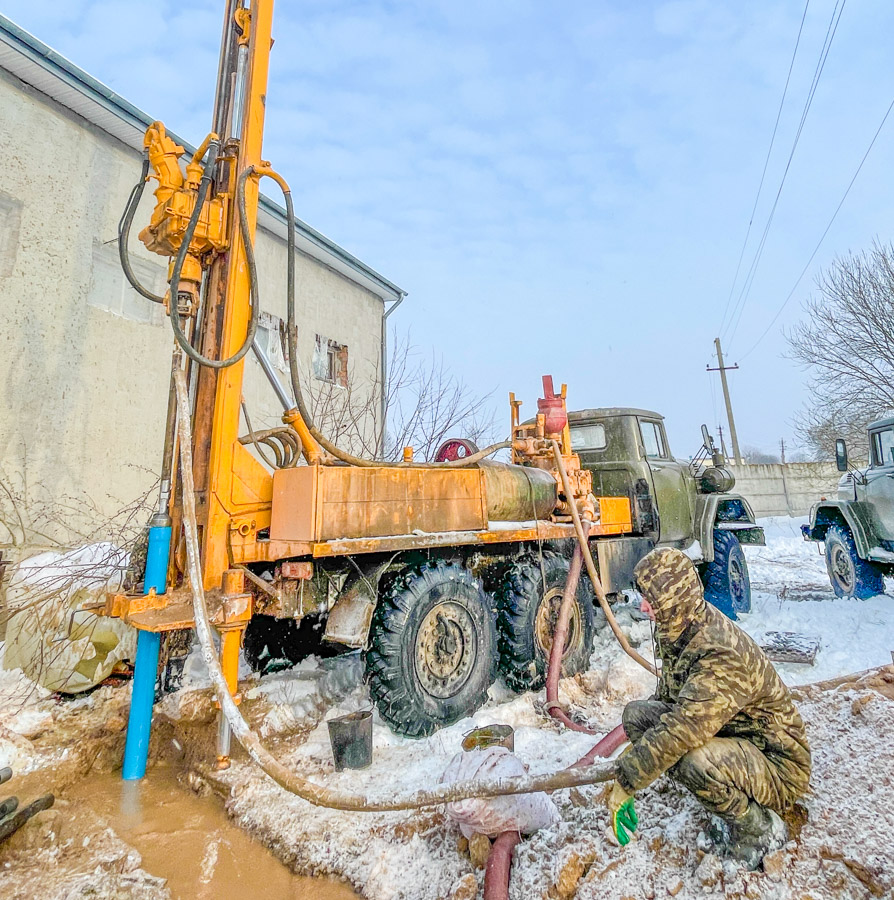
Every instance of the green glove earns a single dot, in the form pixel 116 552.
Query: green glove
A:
pixel 624 818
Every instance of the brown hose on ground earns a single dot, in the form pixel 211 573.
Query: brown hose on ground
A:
pixel 603 748
pixel 499 863
pixel 554 669
pixel 285 778
pixel 591 566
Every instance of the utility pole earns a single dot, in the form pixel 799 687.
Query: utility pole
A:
pixel 729 407
pixel 723 449
pixel 782 450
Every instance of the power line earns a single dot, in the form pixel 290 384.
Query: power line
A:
pixel 760 186
pixel 739 306
pixel 791 293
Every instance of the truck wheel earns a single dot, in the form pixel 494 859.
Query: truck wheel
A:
pixel 528 604
pixel 726 581
pixel 850 575
pixel 432 646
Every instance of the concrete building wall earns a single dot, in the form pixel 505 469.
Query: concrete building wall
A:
pixel 786 490
pixel 85 360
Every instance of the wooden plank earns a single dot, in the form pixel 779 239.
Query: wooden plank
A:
pixel 790 647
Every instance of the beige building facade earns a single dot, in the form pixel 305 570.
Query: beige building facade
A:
pixel 84 360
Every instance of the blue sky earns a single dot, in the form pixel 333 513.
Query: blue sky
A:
pixel 561 188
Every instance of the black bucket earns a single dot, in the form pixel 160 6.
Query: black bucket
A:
pixel 351 740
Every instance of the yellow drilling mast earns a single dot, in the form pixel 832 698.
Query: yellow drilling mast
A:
pixel 311 528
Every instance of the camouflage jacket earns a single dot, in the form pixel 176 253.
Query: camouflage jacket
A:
pixel 719 682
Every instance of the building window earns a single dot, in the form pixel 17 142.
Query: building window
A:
pixel 330 361
pixel 271 331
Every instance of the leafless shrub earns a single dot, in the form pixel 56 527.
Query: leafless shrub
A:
pixel 44 593
pixel 424 404
pixel 755 456
pixel 846 342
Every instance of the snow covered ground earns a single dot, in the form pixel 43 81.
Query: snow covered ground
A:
pixel 791 592
pixel 415 855
pixel 844 849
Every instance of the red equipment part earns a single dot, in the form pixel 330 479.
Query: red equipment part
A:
pixel 455 448
pixel 552 405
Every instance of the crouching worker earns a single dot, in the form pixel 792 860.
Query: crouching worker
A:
pixel 721 722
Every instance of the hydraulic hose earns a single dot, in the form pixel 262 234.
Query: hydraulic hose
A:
pixel 591 566
pixel 245 235
pixel 124 226
pixel 292 338
pixel 286 779
pixel 554 668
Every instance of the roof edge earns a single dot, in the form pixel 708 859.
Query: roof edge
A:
pixel 312 241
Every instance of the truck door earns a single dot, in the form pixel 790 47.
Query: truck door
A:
pixel 880 481
pixel 669 485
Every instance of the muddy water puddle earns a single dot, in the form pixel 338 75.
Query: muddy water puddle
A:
pixel 190 841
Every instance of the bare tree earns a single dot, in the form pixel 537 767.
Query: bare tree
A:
pixel 846 342
pixel 756 456
pixel 424 404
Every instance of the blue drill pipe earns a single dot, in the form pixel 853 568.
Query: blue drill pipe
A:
pixel 139 723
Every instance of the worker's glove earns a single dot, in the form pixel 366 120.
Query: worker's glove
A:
pixel 624 819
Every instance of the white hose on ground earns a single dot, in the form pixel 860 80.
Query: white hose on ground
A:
pixel 591 566
pixel 286 779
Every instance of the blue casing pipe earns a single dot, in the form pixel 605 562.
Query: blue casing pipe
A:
pixel 139 724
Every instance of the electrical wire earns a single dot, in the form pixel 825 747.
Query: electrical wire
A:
pixel 744 294
pixel 760 186
pixel 292 340
pixel 791 293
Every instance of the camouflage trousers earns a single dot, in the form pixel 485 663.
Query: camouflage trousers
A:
pixel 725 774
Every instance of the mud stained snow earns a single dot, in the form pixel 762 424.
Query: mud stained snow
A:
pixel 190 841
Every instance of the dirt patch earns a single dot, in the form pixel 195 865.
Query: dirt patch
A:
pixel 187 838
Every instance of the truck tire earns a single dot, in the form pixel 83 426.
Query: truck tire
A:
pixel 726 581
pixel 528 603
pixel 432 648
pixel 850 575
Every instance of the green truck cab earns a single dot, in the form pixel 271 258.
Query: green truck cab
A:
pixel 674 503
pixel 857 528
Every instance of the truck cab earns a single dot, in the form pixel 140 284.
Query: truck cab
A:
pixel 688 505
pixel 627 451
pixel 857 528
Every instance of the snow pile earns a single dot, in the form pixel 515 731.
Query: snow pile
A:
pixel 49 635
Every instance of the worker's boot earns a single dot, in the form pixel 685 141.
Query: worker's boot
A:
pixel 750 838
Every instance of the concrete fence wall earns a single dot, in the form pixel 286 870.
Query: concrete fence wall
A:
pixel 785 490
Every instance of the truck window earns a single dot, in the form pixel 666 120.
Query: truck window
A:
pixel 588 437
pixel 883 447
pixel 652 439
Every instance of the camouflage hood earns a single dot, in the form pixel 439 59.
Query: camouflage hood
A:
pixel 668 579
